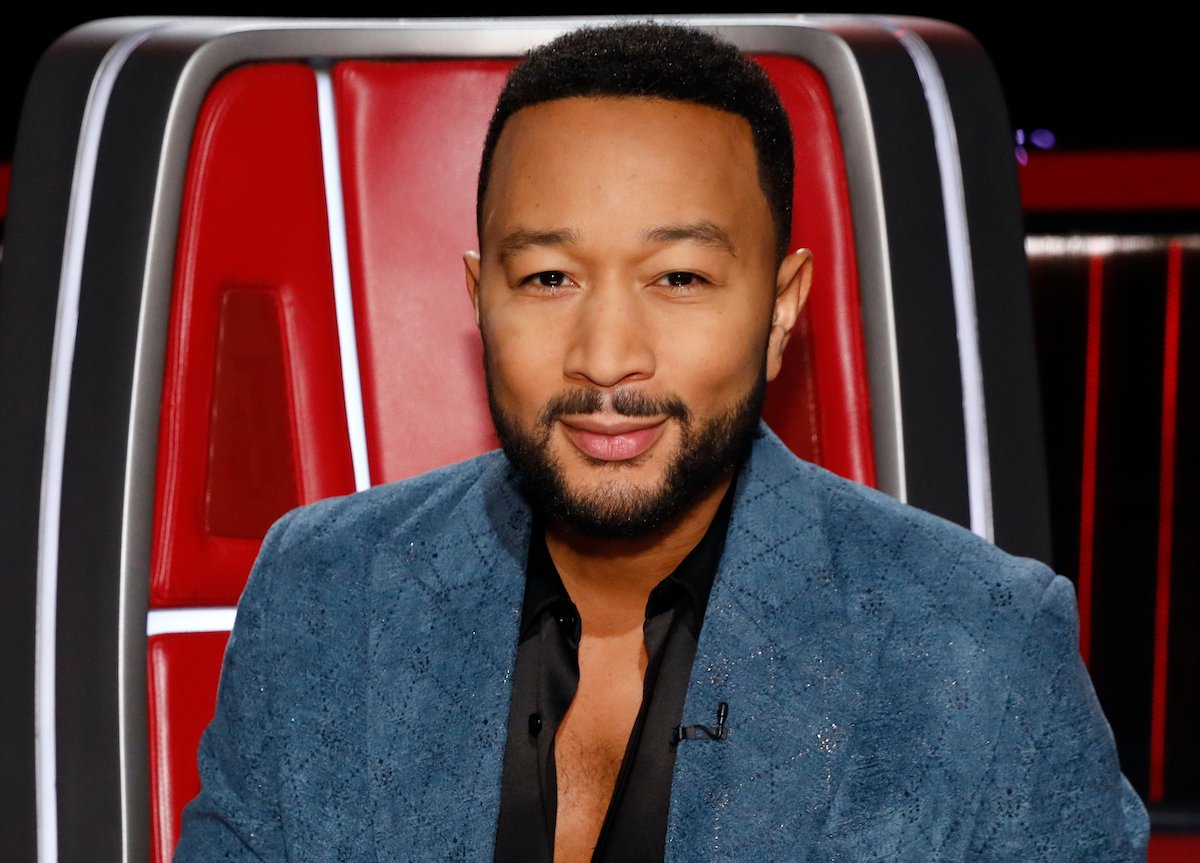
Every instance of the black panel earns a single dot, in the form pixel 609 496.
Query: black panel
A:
pixel 1118 223
pixel 37 215
pixel 90 819
pixel 1182 773
pixel 927 346
pixel 1127 470
pixel 1020 506
pixel 1060 297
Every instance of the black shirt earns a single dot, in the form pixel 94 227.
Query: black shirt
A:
pixel 545 677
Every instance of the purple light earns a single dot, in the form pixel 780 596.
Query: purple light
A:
pixel 1043 139
pixel 1020 137
pixel 1022 156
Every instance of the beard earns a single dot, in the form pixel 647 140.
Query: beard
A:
pixel 707 451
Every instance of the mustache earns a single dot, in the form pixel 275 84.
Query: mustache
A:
pixel 627 402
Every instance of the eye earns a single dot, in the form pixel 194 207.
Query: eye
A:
pixel 681 281
pixel 550 280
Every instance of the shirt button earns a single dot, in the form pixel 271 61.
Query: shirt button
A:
pixel 569 622
pixel 535 724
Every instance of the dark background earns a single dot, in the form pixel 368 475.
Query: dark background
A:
pixel 1097 81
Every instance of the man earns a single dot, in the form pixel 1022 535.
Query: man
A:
pixel 646 630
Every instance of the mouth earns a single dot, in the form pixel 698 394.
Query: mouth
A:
pixel 613 439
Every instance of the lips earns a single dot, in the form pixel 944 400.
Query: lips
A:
pixel 619 441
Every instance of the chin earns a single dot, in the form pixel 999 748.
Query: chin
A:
pixel 635 497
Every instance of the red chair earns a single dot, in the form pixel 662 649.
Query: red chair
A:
pixel 240 276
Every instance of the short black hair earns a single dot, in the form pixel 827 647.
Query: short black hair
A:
pixel 657 60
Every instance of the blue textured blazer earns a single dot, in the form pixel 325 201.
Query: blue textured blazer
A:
pixel 899 689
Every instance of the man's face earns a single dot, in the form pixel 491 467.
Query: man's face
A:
pixel 630 305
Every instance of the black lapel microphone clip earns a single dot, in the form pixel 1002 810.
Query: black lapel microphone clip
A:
pixel 703 732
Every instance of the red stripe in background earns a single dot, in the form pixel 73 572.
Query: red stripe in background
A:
pixel 5 180
pixel 1166 509
pixel 1091 405
pixel 1134 180
pixel 1168 848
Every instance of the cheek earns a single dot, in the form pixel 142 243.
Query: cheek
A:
pixel 717 359
pixel 523 361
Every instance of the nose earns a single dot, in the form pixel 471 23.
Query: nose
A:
pixel 611 340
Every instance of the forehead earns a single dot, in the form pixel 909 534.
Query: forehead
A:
pixel 581 160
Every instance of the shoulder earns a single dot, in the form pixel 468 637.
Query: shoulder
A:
pixel 336 545
pixel 958 662
pixel 881 552
pixel 343 523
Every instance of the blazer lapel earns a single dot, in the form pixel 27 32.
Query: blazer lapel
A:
pixel 443 640
pixel 781 646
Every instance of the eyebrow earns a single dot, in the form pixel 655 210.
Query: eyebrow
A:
pixel 705 233
pixel 522 238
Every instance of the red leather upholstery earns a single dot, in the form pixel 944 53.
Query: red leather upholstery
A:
pixel 819 404
pixel 410 136
pixel 253 418
pixel 182 672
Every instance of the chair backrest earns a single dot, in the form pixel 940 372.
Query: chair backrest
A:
pixel 233 285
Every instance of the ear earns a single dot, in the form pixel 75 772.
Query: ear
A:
pixel 792 282
pixel 471 265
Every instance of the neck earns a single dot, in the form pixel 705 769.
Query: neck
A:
pixel 610 580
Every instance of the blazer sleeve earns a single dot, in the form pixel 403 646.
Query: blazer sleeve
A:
pixel 1055 791
pixel 236 815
